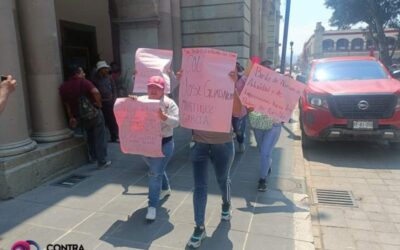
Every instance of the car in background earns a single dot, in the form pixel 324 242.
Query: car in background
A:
pixel 349 98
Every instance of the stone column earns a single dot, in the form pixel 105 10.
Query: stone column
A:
pixel 264 27
pixel 255 28
pixel 43 69
pixel 165 40
pixel 176 33
pixel 14 136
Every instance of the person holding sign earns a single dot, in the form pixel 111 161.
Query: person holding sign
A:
pixel 266 132
pixel 219 148
pixel 159 186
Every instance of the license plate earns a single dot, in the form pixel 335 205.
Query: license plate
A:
pixel 366 125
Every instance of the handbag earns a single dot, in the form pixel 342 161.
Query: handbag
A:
pixel 260 121
pixel 87 111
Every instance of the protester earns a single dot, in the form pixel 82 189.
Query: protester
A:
pixel 266 132
pixel 108 91
pixel 219 148
pixel 7 86
pixel 239 122
pixel 72 91
pixel 159 186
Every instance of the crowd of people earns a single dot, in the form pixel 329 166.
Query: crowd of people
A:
pixel 89 105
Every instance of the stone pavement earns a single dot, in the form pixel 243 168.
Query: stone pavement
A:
pixel 107 209
pixel 371 172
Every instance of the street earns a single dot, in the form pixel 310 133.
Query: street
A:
pixel 371 172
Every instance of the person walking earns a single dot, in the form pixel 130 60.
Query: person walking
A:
pixel 72 92
pixel 239 121
pixel 159 186
pixel 219 148
pixel 108 91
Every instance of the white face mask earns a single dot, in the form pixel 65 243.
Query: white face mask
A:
pixel 241 73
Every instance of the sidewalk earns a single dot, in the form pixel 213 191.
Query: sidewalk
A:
pixel 106 210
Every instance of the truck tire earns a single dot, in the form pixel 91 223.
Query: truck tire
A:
pixel 306 142
pixel 394 145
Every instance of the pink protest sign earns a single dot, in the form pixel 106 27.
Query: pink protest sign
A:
pixel 151 62
pixel 139 126
pixel 271 93
pixel 206 89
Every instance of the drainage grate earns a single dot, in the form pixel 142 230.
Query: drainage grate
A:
pixel 71 180
pixel 334 197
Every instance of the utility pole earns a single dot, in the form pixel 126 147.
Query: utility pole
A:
pixel 291 58
pixel 285 36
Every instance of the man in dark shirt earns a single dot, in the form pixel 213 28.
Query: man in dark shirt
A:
pixel 108 91
pixel 70 92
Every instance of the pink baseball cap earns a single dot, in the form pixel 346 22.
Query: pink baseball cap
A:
pixel 156 81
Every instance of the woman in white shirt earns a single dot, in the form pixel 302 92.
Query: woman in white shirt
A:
pixel 169 116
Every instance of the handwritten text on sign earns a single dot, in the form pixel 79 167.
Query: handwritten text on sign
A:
pixel 271 93
pixel 139 126
pixel 151 62
pixel 206 90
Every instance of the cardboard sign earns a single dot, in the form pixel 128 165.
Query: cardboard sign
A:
pixel 151 62
pixel 139 126
pixel 271 93
pixel 206 89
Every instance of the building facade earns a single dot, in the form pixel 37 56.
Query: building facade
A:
pixel 40 38
pixel 353 42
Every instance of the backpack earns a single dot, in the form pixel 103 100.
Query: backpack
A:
pixel 87 111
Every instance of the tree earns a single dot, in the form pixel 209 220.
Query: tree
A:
pixel 377 14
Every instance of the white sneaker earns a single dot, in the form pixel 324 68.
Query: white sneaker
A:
pixel 151 213
pixel 165 193
pixel 242 148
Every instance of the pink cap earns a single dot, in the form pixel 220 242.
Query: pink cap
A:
pixel 255 59
pixel 157 81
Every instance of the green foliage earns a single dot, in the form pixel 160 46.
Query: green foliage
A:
pixel 377 14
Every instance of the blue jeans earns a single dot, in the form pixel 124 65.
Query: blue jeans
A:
pixel 96 139
pixel 266 141
pixel 158 178
pixel 239 127
pixel 221 156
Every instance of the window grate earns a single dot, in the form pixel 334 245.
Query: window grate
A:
pixel 334 197
pixel 71 180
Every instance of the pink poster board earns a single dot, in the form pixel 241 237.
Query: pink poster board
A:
pixel 139 126
pixel 271 93
pixel 206 89
pixel 151 62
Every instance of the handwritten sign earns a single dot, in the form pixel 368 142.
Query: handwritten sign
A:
pixel 139 126
pixel 151 62
pixel 271 93
pixel 206 90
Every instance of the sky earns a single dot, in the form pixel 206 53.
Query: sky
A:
pixel 304 15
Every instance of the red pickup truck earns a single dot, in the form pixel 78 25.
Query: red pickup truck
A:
pixel 350 98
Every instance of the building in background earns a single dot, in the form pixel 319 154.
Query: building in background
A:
pixel 352 42
pixel 42 37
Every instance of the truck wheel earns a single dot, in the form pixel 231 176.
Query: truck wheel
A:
pixel 306 142
pixel 394 145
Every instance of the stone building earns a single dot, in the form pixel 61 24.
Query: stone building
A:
pixel 41 37
pixel 353 42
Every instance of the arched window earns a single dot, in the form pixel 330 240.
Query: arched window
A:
pixel 357 44
pixel 327 45
pixel 370 44
pixel 391 42
pixel 342 44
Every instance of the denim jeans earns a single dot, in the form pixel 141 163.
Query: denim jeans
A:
pixel 221 156
pixel 158 178
pixel 266 141
pixel 96 139
pixel 239 127
pixel 109 117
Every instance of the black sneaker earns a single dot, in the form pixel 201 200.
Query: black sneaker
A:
pixel 199 234
pixel 262 185
pixel 226 212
